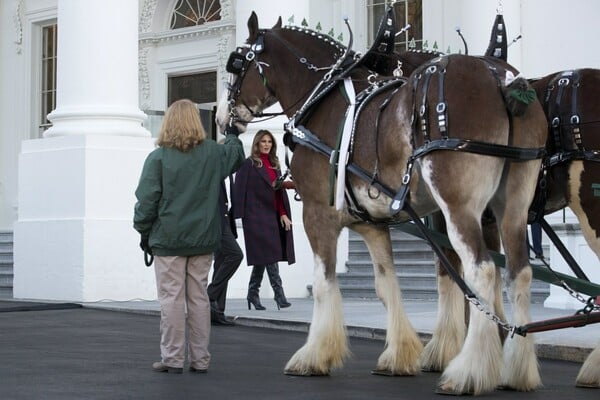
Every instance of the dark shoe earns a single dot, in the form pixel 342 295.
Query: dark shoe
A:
pixel 160 367
pixel 198 370
pixel 275 279
pixel 221 319
pixel 282 303
pixel 255 301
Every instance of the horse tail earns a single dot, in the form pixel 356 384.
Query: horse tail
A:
pixel 518 95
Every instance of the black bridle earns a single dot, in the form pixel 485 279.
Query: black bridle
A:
pixel 242 59
pixel 238 64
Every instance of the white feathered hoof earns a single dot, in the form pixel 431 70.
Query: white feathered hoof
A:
pixel 307 362
pixel 589 375
pixel 400 361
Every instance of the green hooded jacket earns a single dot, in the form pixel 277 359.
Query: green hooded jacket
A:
pixel 178 193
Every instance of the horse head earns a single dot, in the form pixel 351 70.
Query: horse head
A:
pixel 268 64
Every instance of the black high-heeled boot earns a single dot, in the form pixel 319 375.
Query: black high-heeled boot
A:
pixel 275 279
pixel 253 287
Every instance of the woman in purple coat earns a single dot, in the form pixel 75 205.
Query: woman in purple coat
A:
pixel 266 217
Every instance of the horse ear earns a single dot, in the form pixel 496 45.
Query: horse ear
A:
pixel 253 27
pixel 278 24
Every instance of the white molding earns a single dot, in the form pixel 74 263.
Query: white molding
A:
pixel 147 15
pixel 18 20
pixel 144 78
pixel 189 33
pixel 223 50
pixel 189 64
pixel 227 10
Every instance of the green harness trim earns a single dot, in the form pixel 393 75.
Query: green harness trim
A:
pixel 524 96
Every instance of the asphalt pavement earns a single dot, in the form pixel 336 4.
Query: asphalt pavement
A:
pixel 105 351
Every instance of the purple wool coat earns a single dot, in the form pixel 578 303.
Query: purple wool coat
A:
pixel 254 202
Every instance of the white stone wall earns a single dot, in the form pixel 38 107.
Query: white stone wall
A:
pixel 556 35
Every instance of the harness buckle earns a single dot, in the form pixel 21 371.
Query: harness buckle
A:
pixel 406 179
pixel 250 56
pixel 555 122
pixel 441 107
pixel 431 69
pixel 575 119
pixel 563 81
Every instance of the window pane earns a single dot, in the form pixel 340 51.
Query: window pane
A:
pixel 48 74
pixel 405 12
pixel 199 88
pixel 415 19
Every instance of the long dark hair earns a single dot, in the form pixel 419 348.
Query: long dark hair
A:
pixel 255 155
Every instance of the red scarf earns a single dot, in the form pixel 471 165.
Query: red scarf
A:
pixel 272 176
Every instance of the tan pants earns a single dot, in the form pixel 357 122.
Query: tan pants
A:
pixel 181 283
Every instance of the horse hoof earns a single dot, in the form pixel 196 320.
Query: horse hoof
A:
pixel 449 392
pixel 587 386
pixel 387 372
pixel 506 387
pixel 306 373
pixel 382 372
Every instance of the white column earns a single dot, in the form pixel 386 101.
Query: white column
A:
pixel 97 70
pixel 74 239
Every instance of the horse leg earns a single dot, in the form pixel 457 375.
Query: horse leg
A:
pixel 492 240
pixel 450 329
pixel 476 369
pixel 403 346
pixel 326 346
pixel 520 370
pixel 451 325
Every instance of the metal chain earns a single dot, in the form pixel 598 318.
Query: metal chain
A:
pixel 590 302
pixel 491 316
pixel 590 305
pixel 573 293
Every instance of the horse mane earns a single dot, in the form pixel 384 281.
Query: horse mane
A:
pixel 339 46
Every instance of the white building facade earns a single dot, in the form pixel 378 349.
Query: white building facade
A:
pixel 105 71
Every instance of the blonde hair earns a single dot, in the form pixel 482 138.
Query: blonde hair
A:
pixel 181 127
pixel 256 149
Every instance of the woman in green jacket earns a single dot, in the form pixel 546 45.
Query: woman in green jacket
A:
pixel 177 217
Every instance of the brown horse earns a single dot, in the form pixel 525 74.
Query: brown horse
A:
pixel 572 159
pixel 299 69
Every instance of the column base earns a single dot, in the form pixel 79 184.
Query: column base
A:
pixel 74 238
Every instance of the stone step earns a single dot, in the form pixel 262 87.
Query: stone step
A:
pixel 6 236
pixel 6 280
pixel 407 266
pixel 6 292
pixel 414 262
pixel 6 265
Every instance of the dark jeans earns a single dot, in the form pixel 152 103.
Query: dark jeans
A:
pixel 536 239
pixel 227 260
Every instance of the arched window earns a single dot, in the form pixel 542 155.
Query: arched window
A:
pixel 195 12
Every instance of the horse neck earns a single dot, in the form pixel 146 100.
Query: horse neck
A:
pixel 293 81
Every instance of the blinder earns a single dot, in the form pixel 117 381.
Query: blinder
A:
pixel 236 62
pixel 240 58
